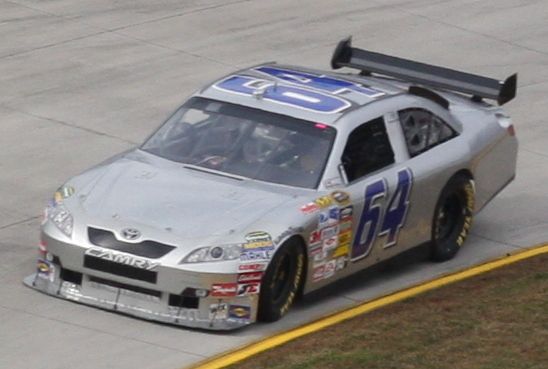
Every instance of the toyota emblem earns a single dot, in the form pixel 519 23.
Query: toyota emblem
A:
pixel 131 234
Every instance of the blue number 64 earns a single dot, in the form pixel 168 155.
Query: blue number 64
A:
pixel 393 218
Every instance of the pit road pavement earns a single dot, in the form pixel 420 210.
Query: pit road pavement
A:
pixel 81 81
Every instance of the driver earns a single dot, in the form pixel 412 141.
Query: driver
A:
pixel 310 158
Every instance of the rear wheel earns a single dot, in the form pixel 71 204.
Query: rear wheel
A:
pixel 452 218
pixel 281 281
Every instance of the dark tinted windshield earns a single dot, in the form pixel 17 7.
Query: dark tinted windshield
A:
pixel 244 141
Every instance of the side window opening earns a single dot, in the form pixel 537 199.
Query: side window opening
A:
pixel 423 130
pixel 367 150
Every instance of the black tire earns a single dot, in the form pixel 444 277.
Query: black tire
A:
pixel 282 281
pixel 452 217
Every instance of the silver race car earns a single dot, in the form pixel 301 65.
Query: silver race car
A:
pixel 275 181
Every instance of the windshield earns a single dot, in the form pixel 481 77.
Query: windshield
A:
pixel 244 141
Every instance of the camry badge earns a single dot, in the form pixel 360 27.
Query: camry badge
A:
pixel 131 234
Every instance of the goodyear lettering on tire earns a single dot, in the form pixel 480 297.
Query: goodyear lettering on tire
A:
pixel 296 283
pixel 470 204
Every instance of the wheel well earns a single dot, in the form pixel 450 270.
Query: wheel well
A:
pixel 463 172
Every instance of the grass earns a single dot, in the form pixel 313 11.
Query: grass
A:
pixel 496 320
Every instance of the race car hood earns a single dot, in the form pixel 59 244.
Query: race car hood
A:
pixel 140 190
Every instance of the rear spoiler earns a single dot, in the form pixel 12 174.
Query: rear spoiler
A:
pixel 429 75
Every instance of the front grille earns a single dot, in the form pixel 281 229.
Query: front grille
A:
pixel 122 270
pixel 148 249
pixel 129 287
pixel 184 301
pixel 71 276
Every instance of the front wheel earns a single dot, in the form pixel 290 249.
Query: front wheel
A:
pixel 281 281
pixel 452 218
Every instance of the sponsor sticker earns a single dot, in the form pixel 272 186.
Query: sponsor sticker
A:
pixel 318 272
pixel 224 289
pixel 330 243
pixel 318 255
pixel 332 182
pixel 240 312
pixel 342 262
pixel 346 213
pixel 323 219
pixel 256 254
pixel 252 267
pixel 334 215
pixel 330 232
pixel 45 269
pixel 218 311
pixel 258 241
pixel 345 237
pixel 329 270
pixel 246 289
pixel 310 208
pixel 250 277
pixel 257 236
pixel 323 201
pixel 342 250
pixel 340 197
pixel 315 237
pixel 345 226
pixel 329 217
pixel 259 245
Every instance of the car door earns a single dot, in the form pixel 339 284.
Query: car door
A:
pixel 379 184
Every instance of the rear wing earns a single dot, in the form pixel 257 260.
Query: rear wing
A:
pixel 429 75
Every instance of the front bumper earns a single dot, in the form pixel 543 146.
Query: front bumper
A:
pixel 64 275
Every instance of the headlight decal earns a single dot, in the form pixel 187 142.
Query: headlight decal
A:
pixel 57 212
pixel 62 218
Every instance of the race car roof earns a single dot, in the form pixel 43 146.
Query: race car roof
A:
pixel 300 92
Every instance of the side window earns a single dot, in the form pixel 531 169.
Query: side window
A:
pixel 423 130
pixel 367 150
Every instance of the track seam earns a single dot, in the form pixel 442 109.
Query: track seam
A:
pixel 499 242
pixel 19 222
pixel 69 125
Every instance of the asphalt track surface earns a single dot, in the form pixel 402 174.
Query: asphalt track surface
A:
pixel 81 81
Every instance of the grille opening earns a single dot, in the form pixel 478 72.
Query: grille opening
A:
pixel 184 301
pixel 129 287
pixel 122 270
pixel 71 276
pixel 56 260
pixel 148 249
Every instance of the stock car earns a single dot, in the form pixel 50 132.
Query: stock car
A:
pixel 275 181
